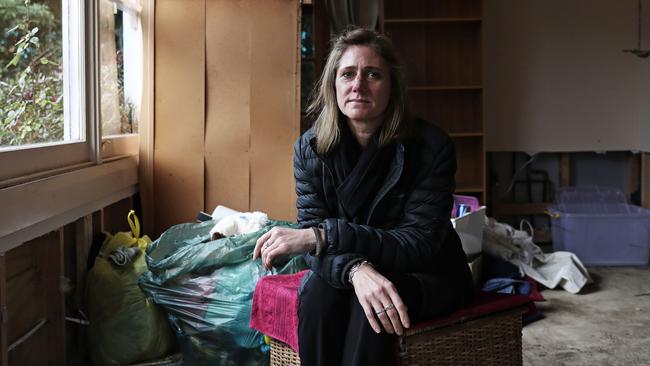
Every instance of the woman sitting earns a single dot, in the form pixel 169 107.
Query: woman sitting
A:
pixel 374 191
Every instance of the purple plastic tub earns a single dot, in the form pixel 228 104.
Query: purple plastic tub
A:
pixel 600 227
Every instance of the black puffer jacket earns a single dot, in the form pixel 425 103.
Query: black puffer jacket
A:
pixel 408 228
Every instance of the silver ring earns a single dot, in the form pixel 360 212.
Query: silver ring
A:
pixel 266 244
pixel 379 312
pixel 389 306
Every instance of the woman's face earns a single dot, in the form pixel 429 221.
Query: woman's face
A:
pixel 362 84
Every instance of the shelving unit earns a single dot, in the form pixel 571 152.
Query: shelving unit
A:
pixel 433 20
pixel 440 43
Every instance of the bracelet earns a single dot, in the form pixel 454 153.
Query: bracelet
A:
pixel 319 241
pixel 355 268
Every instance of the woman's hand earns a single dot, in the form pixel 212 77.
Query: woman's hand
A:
pixel 380 301
pixel 281 241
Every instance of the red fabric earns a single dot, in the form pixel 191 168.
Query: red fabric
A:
pixel 275 307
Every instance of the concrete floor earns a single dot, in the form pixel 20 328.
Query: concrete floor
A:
pixel 608 323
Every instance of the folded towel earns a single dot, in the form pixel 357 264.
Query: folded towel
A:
pixel 275 307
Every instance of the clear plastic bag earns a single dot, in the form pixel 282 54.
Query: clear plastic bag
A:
pixel 206 286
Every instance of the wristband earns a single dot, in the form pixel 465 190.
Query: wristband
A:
pixel 319 242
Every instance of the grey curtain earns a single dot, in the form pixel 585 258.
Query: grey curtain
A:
pixel 343 13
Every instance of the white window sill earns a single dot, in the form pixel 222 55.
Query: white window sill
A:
pixel 32 209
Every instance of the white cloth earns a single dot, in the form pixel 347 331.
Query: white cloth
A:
pixel 240 223
pixel 562 269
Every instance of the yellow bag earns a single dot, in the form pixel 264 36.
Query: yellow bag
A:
pixel 125 327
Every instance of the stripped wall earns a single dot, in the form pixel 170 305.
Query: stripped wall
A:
pixel 226 107
pixel 556 78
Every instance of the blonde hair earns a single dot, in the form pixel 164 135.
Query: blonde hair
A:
pixel 324 109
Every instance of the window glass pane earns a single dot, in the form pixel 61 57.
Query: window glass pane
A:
pixel 31 73
pixel 306 34
pixel 308 64
pixel 120 39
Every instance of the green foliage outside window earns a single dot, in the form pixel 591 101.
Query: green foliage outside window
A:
pixel 31 84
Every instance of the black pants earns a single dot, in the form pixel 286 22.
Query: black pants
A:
pixel 333 329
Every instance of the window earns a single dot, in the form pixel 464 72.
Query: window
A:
pixel 120 44
pixel 307 63
pixel 31 74
pixel 71 84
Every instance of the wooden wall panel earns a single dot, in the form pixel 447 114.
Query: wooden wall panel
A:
pixel 25 302
pixel 275 107
pixel 228 118
pixel 114 216
pixel 35 278
pixel 179 111
pixel 49 260
pixel 33 298
pixel 237 100
pixel 21 259
pixel 251 111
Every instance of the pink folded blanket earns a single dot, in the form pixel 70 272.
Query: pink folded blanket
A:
pixel 275 307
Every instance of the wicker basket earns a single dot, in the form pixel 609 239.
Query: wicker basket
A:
pixel 491 340
pixel 283 355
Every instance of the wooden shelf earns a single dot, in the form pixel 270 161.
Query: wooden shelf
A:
pixel 440 58
pixel 465 134
pixel 431 20
pixel 396 9
pixel 455 111
pixel 441 45
pixel 444 87
pixel 470 163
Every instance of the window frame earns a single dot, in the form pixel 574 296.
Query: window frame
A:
pixel 20 164
pixel 47 186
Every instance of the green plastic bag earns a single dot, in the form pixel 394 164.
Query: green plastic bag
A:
pixel 206 287
pixel 125 327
